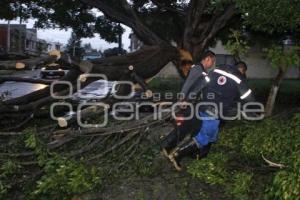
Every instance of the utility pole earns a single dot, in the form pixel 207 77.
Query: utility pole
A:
pixel 20 13
pixel 120 39
pixel 8 37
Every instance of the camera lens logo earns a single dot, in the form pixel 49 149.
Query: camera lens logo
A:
pixel 222 80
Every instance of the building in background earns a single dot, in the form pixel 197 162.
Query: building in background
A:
pixel 55 46
pixel 135 43
pixel 12 39
pixel 258 66
pixel 17 40
pixel 31 41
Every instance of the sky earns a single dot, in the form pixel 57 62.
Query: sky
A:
pixel 62 36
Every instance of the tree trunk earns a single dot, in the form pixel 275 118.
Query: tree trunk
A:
pixel 26 80
pixel 200 31
pixel 71 76
pixel 274 91
pixel 147 62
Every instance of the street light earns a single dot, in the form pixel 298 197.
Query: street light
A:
pixel 287 43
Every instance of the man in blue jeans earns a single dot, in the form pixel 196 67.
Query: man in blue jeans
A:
pixel 196 80
pixel 220 95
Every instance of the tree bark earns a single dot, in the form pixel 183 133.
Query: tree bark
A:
pixel 147 62
pixel 194 16
pixel 71 76
pixel 26 80
pixel 200 31
pixel 32 106
pixel 274 91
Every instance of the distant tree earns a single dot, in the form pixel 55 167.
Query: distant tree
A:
pixel 281 58
pixel 74 46
pixel 237 45
pixel 268 23
pixel 88 47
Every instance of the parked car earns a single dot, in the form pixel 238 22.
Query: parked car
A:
pixel 52 72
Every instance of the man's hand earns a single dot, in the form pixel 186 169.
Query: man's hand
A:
pixel 183 105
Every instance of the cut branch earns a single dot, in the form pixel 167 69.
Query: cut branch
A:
pixel 147 62
pixel 272 164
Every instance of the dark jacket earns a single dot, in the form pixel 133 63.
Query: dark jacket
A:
pixel 197 79
pixel 226 89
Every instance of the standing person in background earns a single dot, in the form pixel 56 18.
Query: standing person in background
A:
pixel 242 68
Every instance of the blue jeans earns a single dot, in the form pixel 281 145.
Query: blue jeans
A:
pixel 209 130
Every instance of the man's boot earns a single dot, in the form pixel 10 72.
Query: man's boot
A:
pixel 182 128
pixel 203 152
pixel 186 149
pixel 170 142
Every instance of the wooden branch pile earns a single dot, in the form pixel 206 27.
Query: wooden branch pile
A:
pixel 17 112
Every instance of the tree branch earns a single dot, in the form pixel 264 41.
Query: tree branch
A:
pixel 210 30
pixel 219 21
pixel 131 20
pixel 194 17
pixel 26 80
pixel 168 8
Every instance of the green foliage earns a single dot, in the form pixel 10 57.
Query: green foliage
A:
pixel 212 170
pixel 241 185
pixel 281 142
pixel 107 29
pixel 74 46
pixel 277 139
pixel 31 141
pixel 244 144
pixel 283 58
pixel 237 45
pixel 7 170
pixel 62 177
pixel 165 18
pixel 286 183
pixel 271 16
pixel 144 163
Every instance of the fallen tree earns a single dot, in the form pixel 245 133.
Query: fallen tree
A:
pixel 136 67
pixel 27 63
